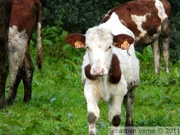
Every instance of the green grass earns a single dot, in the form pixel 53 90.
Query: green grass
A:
pixel 58 106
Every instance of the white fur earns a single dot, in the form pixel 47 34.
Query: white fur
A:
pixel 17 47
pixel 115 26
pixel 139 21
pixel 98 55
pixel 161 10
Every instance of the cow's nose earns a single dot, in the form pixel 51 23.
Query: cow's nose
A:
pixel 98 71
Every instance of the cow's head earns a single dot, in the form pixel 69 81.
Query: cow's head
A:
pixel 99 43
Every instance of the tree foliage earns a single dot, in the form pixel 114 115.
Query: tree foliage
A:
pixel 76 15
pixel 175 31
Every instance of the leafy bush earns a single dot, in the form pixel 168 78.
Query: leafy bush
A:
pixel 78 15
pixel 174 38
pixel 54 45
pixel 146 55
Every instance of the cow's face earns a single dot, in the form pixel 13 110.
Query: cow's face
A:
pixel 99 48
pixel 99 43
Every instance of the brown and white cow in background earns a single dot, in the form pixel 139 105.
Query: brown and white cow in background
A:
pixel 148 20
pixel 110 70
pixel 25 15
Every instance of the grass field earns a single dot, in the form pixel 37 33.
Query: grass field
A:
pixel 58 106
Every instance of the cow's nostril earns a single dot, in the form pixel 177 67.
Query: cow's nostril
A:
pixel 98 71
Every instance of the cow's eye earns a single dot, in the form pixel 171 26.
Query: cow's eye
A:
pixel 108 48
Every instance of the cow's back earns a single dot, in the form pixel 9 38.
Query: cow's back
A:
pixel 141 17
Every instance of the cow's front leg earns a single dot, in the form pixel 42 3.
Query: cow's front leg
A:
pixel 115 113
pixel 93 110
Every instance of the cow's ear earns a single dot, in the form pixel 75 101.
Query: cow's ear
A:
pixel 76 40
pixel 123 41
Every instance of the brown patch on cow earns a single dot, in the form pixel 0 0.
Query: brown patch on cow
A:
pixel 87 70
pixel 106 18
pixel 28 13
pixel 91 133
pixel 92 118
pixel 152 22
pixel 115 70
pixel 76 40
pixel 123 41
pixel 116 120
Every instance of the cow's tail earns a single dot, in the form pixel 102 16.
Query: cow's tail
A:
pixel 39 43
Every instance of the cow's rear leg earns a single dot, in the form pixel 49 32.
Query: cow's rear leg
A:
pixel 115 113
pixel 156 52
pixel 128 103
pixel 28 70
pixel 165 40
pixel 166 53
pixel 13 89
pixel 17 48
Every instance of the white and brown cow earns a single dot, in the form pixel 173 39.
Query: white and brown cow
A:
pixel 110 70
pixel 148 20
pixel 25 15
